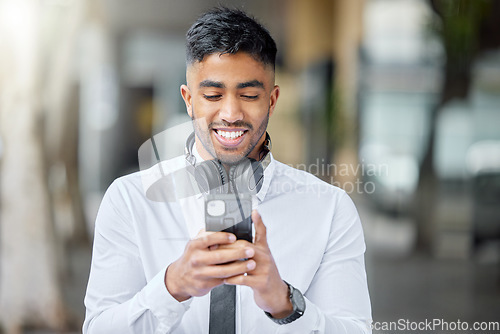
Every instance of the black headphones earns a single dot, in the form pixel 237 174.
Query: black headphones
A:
pixel 247 176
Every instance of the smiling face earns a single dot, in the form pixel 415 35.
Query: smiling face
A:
pixel 235 94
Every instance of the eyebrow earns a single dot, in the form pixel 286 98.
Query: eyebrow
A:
pixel 211 83
pixel 253 83
pixel 218 84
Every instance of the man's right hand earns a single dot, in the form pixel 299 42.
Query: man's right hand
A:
pixel 204 266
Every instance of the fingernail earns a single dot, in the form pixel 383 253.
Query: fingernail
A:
pixel 249 252
pixel 232 237
pixel 251 265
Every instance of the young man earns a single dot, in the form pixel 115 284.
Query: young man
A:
pixel 304 272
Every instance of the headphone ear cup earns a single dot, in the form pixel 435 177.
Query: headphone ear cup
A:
pixel 211 177
pixel 247 176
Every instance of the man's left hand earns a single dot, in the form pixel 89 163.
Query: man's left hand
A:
pixel 270 291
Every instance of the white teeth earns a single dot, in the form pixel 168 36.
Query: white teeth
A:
pixel 230 134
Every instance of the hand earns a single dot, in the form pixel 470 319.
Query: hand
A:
pixel 205 264
pixel 269 290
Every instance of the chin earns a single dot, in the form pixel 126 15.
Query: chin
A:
pixel 230 159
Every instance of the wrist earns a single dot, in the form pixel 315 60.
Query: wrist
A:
pixel 285 307
pixel 172 287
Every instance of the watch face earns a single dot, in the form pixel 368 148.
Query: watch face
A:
pixel 298 300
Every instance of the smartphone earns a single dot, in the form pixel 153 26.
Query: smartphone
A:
pixel 229 213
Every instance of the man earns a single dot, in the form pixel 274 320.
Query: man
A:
pixel 304 272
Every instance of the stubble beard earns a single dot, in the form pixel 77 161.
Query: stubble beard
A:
pixel 227 159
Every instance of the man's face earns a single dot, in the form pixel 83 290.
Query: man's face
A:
pixel 235 94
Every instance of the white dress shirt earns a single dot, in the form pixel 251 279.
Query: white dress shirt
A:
pixel 313 231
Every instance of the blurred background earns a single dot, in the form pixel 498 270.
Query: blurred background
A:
pixel 396 101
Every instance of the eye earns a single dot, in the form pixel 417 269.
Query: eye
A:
pixel 250 97
pixel 212 97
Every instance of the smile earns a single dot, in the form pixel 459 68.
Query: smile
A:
pixel 229 138
pixel 230 134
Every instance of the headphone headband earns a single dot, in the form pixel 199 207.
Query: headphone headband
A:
pixel 188 150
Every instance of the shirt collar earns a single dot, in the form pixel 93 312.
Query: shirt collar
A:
pixel 196 154
pixel 269 163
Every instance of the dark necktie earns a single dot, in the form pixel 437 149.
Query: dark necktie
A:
pixel 222 310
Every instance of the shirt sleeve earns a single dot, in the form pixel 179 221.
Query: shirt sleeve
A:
pixel 119 298
pixel 337 301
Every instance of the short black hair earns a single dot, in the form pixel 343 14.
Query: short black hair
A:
pixel 224 30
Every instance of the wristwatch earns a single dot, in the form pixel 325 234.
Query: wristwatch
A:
pixel 298 303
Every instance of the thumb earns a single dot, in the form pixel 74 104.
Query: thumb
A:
pixel 260 228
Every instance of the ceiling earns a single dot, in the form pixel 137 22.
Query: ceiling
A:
pixel 178 15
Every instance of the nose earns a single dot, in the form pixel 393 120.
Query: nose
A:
pixel 231 110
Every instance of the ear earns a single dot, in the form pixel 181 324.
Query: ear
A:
pixel 186 96
pixel 273 100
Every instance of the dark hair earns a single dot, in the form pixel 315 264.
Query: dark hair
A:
pixel 224 30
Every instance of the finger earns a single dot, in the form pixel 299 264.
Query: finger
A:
pixel 202 233
pixel 215 238
pixel 242 279
pixel 235 268
pixel 226 255
pixel 240 243
pixel 260 228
